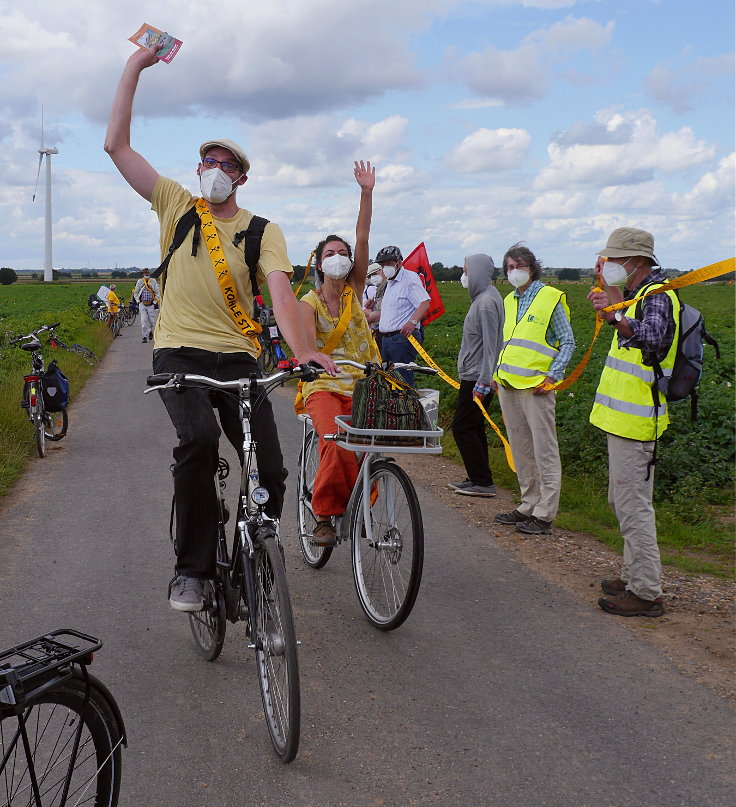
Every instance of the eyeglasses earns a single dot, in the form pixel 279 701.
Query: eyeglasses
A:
pixel 227 167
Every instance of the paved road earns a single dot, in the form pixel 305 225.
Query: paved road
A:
pixel 499 690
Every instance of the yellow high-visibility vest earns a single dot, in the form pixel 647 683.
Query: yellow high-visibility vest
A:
pixel 526 355
pixel 624 403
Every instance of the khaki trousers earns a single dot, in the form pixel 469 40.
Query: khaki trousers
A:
pixel 532 435
pixel 630 498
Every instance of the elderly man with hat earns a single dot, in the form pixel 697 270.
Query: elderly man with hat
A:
pixel 198 331
pixel 631 412
pixel 404 305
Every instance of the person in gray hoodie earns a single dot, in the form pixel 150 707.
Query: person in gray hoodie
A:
pixel 482 339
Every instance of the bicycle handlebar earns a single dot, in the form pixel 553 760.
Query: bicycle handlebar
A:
pixel 174 380
pixel 367 366
pixel 34 334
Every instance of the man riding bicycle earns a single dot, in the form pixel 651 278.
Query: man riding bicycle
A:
pixel 203 328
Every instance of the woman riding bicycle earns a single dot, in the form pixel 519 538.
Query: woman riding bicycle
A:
pixel 333 317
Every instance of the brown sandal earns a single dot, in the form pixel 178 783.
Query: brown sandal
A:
pixel 324 534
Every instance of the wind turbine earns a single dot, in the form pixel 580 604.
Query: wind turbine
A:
pixel 48 266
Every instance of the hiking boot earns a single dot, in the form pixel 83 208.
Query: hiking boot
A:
pixel 477 490
pixel 613 586
pixel 144 340
pixel 534 526
pixel 324 534
pixel 514 517
pixel 628 604
pixel 186 593
pixel 466 483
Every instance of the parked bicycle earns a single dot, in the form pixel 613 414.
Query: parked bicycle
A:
pixel 382 520
pixel 273 356
pixel 250 582
pixel 61 730
pixel 79 350
pixel 38 398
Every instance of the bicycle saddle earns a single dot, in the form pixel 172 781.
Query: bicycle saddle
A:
pixel 34 344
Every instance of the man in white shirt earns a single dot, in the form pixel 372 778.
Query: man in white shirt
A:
pixel 147 294
pixel 405 303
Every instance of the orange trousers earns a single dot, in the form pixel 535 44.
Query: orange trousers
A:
pixel 338 468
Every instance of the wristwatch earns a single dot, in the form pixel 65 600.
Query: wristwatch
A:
pixel 414 323
pixel 617 317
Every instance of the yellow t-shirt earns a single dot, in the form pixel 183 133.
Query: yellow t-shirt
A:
pixel 193 311
pixel 113 302
pixel 356 344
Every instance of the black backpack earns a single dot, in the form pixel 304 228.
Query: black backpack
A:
pixel 688 368
pixel 251 238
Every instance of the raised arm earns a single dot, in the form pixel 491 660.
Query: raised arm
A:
pixel 136 170
pixel 365 176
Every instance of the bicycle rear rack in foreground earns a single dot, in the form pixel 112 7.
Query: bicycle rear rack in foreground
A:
pixel 379 440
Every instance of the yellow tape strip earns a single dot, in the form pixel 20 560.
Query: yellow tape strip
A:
pixel 689 279
pixel 451 381
pixel 306 272
pixel 244 323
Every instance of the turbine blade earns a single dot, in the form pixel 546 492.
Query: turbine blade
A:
pixel 38 174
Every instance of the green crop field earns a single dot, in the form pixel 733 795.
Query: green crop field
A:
pixel 24 308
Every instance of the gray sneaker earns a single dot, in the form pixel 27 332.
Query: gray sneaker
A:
pixel 186 593
pixel 477 490
pixel 466 483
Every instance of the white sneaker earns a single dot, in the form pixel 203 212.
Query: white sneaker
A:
pixel 186 594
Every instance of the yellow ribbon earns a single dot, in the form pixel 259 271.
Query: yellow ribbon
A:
pixel 688 279
pixel 306 273
pixel 451 381
pixel 241 319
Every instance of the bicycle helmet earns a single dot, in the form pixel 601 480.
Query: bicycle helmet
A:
pixel 389 254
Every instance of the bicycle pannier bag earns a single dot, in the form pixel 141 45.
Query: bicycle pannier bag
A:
pixel 383 400
pixel 55 386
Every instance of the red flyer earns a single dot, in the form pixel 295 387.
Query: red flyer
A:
pixel 147 36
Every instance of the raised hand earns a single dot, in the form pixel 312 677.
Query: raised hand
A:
pixel 365 176
pixel 146 57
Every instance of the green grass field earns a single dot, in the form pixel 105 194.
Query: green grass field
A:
pixel 694 489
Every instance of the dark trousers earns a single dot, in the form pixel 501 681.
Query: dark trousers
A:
pixel 398 348
pixel 469 431
pixel 195 458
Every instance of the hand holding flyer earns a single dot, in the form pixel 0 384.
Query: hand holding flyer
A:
pixel 147 36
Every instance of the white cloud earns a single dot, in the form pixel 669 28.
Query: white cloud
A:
pixel 635 159
pixel 681 88
pixel 491 150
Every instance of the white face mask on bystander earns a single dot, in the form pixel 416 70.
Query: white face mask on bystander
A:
pixel 337 266
pixel 215 185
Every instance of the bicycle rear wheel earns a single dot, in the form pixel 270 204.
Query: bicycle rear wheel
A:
pixel 52 722
pixel 388 569
pixel 315 556
pixel 276 653
pixel 55 425
pixel 208 625
pixel 39 430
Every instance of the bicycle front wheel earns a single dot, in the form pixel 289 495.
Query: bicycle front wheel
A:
pixel 55 425
pixel 276 654
pixel 387 569
pixel 208 625
pixel 52 723
pixel 315 556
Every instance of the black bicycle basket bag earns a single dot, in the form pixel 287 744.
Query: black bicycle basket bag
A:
pixel 55 387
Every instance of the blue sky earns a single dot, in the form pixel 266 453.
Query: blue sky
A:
pixel 545 121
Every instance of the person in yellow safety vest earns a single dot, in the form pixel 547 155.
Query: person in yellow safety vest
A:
pixel 538 343
pixel 625 409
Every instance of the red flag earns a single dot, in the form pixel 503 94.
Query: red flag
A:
pixel 419 262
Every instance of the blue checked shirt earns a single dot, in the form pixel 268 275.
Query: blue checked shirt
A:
pixel 559 330
pixel 654 332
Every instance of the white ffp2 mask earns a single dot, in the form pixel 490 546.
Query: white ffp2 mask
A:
pixel 337 266
pixel 215 185
pixel 518 277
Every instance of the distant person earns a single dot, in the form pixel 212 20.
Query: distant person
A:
pixel 374 281
pixel 624 408
pixel 538 343
pixel 198 331
pixel 147 294
pixel 113 306
pixel 481 342
pixel 404 305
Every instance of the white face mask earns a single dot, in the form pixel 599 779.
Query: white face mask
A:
pixel 337 266
pixel 464 280
pixel 374 280
pixel 518 277
pixel 615 274
pixel 389 272
pixel 215 185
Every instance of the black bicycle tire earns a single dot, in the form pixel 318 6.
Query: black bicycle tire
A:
pixel 208 625
pixel 383 576
pixel 39 434
pixel 314 556
pixel 62 705
pixel 56 436
pixel 283 717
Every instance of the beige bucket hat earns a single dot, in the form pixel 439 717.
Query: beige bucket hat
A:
pixel 627 242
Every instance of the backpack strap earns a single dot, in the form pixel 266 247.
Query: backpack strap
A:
pixel 183 226
pixel 252 237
